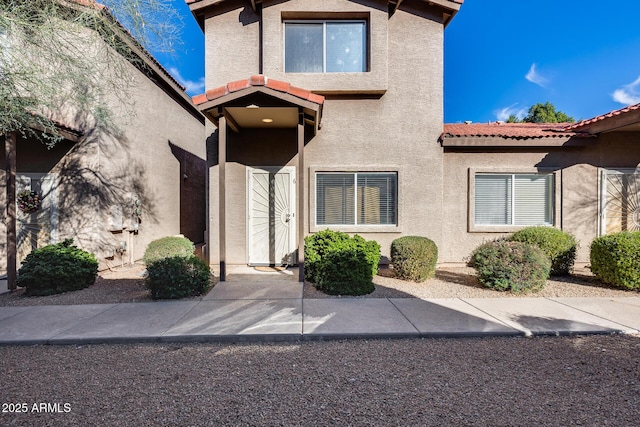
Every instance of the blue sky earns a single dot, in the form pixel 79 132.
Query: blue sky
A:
pixel 502 56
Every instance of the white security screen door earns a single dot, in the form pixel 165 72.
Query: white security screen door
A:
pixel 619 201
pixel 271 221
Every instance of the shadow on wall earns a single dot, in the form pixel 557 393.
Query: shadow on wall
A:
pixel 95 179
pixel 193 175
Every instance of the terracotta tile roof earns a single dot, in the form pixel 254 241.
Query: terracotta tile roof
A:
pixel 509 130
pixel 602 117
pixel 258 80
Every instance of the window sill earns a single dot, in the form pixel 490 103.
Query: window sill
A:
pixel 358 228
pixel 500 228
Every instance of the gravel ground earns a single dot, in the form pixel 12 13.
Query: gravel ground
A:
pixel 127 285
pixel 461 282
pixel 559 381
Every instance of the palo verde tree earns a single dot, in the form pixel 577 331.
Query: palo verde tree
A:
pixel 64 59
pixel 542 113
pixel 58 57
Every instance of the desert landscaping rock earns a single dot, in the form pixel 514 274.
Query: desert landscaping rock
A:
pixel 127 285
pixel 553 381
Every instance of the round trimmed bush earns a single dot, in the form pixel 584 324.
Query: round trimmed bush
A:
pixel 559 246
pixel 317 245
pixel 511 266
pixel 178 277
pixel 345 272
pixel 414 258
pixel 615 259
pixel 339 264
pixel 167 247
pixel 57 268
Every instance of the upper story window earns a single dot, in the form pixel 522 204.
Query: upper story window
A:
pixel 325 46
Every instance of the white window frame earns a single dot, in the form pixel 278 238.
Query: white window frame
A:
pixel 354 228
pixel 324 22
pixel 504 228
pixel 603 194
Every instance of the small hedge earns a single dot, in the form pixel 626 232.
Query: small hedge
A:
pixel 414 258
pixel 615 259
pixel 168 247
pixel 345 272
pixel 511 266
pixel 335 262
pixel 178 277
pixel 57 268
pixel 559 246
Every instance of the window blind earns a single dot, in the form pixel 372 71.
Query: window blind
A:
pixel 493 199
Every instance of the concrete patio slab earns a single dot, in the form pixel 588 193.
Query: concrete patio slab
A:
pixel 253 290
pixel 450 317
pixel 270 318
pixel 542 316
pixel 354 317
pixel 624 311
pixel 6 312
pixel 38 325
pixel 125 322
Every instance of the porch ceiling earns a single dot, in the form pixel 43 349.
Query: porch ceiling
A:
pixel 259 102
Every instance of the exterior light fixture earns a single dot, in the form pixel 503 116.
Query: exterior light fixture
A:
pixel 267 120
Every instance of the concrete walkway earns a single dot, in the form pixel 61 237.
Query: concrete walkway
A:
pixel 271 308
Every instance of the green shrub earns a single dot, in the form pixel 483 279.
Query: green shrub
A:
pixel 178 277
pixel 317 245
pixel 559 246
pixel 615 259
pixel 167 247
pixel 345 272
pixel 414 258
pixel 513 266
pixel 57 268
pixel 334 262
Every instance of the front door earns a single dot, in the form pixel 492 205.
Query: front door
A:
pixel 271 222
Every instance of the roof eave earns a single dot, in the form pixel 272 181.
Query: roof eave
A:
pixel 500 141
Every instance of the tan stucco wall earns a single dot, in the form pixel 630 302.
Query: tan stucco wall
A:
pixel 104 168
pixel 397 131
pixel 577 171
pixel 232 43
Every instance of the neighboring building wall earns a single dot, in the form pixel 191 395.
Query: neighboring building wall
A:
pixel 577 171
pixel 155 154
pixel 396 131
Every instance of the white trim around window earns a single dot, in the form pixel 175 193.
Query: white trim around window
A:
pixel 506 201
pixel 355 200
pixel 325 46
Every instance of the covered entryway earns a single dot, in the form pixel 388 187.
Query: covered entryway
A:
pixel 257 171
pixel 271 216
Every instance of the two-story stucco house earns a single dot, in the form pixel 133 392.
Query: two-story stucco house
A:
pixel 329 114
pixel 321 114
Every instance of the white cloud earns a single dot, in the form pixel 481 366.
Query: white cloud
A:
pixel 504 113
pixel 535 77
pixel 192 88
pixel 628 94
